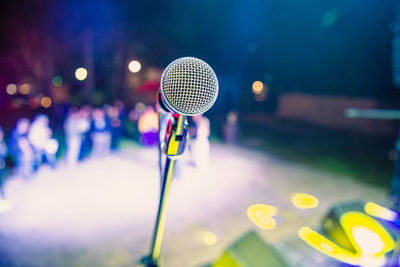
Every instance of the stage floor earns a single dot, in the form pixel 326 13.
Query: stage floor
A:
pixel 101 212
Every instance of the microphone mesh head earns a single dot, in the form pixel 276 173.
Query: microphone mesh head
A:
pixel 189 86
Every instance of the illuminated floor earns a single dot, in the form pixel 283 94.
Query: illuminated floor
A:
pixel 101 212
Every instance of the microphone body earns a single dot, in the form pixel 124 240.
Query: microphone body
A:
pixel 189 87
pixel 161 107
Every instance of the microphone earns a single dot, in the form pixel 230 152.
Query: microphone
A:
pixel 160 106
pixel 189 87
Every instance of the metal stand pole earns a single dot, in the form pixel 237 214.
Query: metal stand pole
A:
pixel 175 142
pixel 160 223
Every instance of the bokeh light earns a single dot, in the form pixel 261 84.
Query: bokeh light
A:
pixel 45 102
pixel 261 215
pixel 17 103
pixel 33 103
pixel 5 205
pixel 378 211
pixel 81 74
pixel 57 81
pixel 134 66
pixel 369 241
pixel 11 89
pixel 304 201
pixel 140 107
pixel 209 238
pixel 25 89
pixel 257 87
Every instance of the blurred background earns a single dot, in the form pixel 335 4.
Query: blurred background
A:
pixel 308 104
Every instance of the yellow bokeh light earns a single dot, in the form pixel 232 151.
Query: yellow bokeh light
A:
pixel 304 201
pixel 376 210
pixel 81 74
pixel 134 66
pixel 327 247
pixel 45 102
pixel 369 241
pixel 363 232
pixel 205 237
pixel 261 215
pixel 257 87
pixel 368 237
pixel 11 89
pixel 25 88
pixel 209 238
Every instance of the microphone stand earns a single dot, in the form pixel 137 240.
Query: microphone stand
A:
pixel 160 168
pixel 174 145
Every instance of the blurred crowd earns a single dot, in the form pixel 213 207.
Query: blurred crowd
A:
pixel 86 131
pixel 31 144
pixel 94 132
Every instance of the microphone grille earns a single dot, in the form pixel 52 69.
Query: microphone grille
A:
pixel 189 86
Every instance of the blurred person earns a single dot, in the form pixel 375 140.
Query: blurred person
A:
pixel 3 155
pixel 122 115
pixel 131 125
pixel 51 149
pixel 200 145
pixel 133 119
pixel 121 109
pixel 231 128
pixel 85 126
pixel 101 136
pixel 148 127
pixel 21 149
pixel 44 147
pixel 115 126
pixel 74 132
